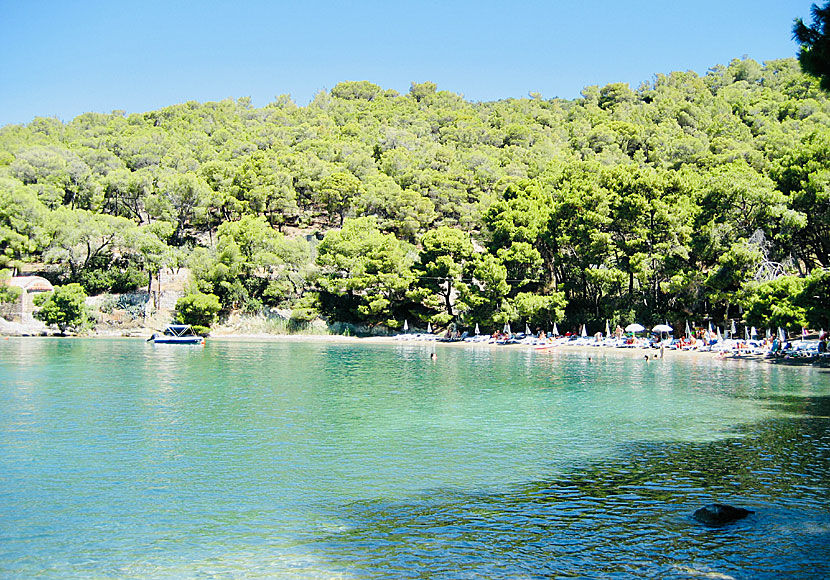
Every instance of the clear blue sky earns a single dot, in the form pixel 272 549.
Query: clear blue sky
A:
pixel 63 58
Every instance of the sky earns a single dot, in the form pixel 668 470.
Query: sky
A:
pixel 61 59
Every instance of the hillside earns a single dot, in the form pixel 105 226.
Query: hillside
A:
pixel 690 197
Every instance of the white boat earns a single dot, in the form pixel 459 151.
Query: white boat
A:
pixel 177 334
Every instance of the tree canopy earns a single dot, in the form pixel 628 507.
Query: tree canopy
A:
pixel 677 199
pixel 814 41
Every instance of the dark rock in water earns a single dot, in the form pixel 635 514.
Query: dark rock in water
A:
pixel 718 514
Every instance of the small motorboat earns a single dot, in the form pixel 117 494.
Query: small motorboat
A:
pixel 177 334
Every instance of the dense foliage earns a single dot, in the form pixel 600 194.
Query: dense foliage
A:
pixel 7 293
pixel 677 200
pixel 64 307
pixel 197 309
pixel 814 41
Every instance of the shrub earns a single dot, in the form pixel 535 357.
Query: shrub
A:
pixel 65 308
pixel 198 309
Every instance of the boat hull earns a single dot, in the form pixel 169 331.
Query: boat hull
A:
pixel 178 340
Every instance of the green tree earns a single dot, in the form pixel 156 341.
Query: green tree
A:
pixel 198 309
pixel 814 44
pixel 777 303
pixel 338 192
pixel 814 299
pixel 22 220
pixel 735 269
pixel 181 199
pixel 78 237
pixel 484 298
pixel 445 268
pixel 8 293
pixel 251 265
pixel 351 90
pixel 65 307
pixel 803 174
pixel 150 243
pixel 540 311
pixel 365 274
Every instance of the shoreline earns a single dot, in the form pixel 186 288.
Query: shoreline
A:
pixel 590 352
pixel 637 352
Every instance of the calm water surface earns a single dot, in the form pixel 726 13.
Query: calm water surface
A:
pixel 122 459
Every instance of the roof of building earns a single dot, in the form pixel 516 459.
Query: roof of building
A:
pixel 31 283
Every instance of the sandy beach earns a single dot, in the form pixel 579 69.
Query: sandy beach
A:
pixel 225 334
pixel 593 352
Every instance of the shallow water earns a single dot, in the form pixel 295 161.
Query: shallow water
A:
pixel 122 459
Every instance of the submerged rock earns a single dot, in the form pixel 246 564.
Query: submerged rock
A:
pixel 718 514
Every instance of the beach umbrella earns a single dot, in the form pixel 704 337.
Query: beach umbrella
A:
pixel 753 333
pixel 607 329
pixel 634 327
pixel 405 326
pixel 506 329
pixel 555 330
pixel 746 332
pixel 662 328
pixel 477 332
pixel 720 336
pixel 782 335
pixel 688 330
pixel 527 329
pixel 732 330
pixel 429 327
pixel 582 332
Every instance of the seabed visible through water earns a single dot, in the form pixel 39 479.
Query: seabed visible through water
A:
pixel 311 459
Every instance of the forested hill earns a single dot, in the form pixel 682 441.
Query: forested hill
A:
pixel 687 197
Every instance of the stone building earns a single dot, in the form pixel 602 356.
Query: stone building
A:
pixel 22 310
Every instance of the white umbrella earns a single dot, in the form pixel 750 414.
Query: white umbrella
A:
pixel 477 332
pixel 429 327
pixel 607 329
pixel 710 328
pixel 634 327
pixel 746 332
pixel 555 330
pixel 688 330
pixel 507 328
pixel 782 335
pixel 732 330
pixel 662 328
pixel 753 332
pixel 583 333
pixel 769 333
pixel 720 336
pixel 405 326
pixel 527 329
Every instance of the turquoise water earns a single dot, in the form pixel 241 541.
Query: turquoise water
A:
pixel 122 459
